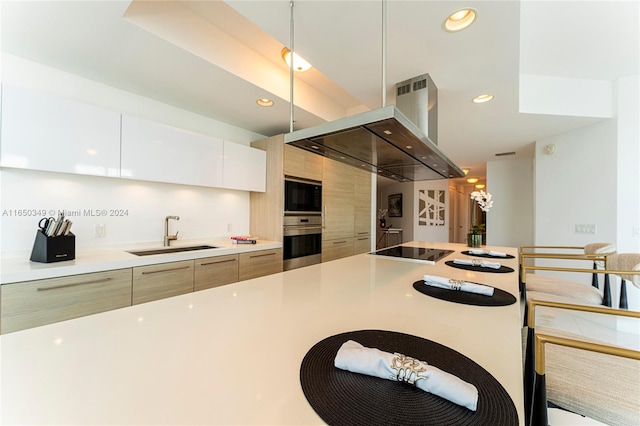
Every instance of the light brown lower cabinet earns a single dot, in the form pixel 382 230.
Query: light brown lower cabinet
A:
pixel 337 249
pixel 216 271
pixel 259 263
pixel 160 281
pixel 361 244
pixel 35 303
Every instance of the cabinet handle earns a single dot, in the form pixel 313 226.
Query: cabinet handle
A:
pixel 324 217
pixel 363 239
pixel 262 255
pixel 362 233
pixel 217 262
pixel 55 287
pixel 339 242
pixel 166 270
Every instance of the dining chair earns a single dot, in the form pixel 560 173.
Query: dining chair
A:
pixel 583 375
pixel 561 289
pixel 624 265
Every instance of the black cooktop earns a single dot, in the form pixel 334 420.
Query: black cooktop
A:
pixel 418 254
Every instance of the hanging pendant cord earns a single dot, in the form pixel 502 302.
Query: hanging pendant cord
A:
pixel 291 29
pixel 384 53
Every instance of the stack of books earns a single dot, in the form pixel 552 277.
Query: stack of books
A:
pixel 243 240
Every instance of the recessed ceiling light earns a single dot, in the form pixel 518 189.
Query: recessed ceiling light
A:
pixel 264 102
pixel 482 98
pixel 299 64
pixel 466 171
pixel 315 147
pixel 472 180
pixel 460 19
pixel 480 186
pixel 409 147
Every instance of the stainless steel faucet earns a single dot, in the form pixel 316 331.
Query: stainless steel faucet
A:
pixel 168 238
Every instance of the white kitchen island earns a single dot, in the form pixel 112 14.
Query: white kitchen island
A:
pixel 232 354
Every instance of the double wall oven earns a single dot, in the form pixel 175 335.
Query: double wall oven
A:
pixel 302 242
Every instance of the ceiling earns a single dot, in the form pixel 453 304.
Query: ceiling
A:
pixel 216 58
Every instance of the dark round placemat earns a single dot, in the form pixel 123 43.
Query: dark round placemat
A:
pixel 468 253
pixel 503 269
pixel 499 298
pixel 341 397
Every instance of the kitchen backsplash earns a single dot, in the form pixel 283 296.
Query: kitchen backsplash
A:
pixel 124 211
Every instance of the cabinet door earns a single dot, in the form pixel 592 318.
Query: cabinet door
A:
pixel 337 249
pixel 160 281
pixel 303 164
pixel 35 303
pixel 362 200
pixel 215 271
pixel 244 168
pixel 337 199
pixel 160 153
pixel 361 244
pixel 41 131
pixel 259 263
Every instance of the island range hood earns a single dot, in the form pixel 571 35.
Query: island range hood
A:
pixel 385 141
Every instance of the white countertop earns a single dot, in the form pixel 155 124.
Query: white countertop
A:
pixel 231 354
pixel 18 269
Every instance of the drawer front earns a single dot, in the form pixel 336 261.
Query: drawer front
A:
pixel 361 244
pixel 161 281
pixel 216 271
pixel 337 249
pixel 36 303
pixel 259 263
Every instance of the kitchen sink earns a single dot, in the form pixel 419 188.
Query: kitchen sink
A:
pixel 166 250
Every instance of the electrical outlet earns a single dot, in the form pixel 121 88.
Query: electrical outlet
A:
pixel 586 229
pixel 229 227
pixel 99 231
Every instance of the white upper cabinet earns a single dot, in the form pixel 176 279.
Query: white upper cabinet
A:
pixel 245 168
pixel 41 131
pixel 160 153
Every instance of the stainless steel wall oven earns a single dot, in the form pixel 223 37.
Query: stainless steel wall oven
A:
pixel 302 245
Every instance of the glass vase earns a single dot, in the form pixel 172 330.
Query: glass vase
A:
pixel 474 240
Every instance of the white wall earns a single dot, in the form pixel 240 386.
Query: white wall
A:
pixel 204 212
pixel 628 164
pixel 593 178
pixel 576 185
pixel 510 220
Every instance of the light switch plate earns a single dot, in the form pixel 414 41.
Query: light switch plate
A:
pixel 586 229
pixel 99 231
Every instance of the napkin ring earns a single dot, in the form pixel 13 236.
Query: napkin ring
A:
pixel 407 369
pixel 456 284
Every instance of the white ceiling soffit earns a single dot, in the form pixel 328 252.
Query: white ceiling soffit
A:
pixel 569 67
pixel 189 26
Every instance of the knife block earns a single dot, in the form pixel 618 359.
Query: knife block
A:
pixel 53 249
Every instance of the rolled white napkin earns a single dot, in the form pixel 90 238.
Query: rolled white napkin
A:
pixel 354 357
pixel 450 284
pixel 474 262
pixel 488 252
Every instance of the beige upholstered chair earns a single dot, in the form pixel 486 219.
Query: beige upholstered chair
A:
pixel 625 262
pixel 590 377
pixel 544 287
pixel 624 265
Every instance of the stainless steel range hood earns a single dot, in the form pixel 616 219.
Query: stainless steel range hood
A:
pixel 383 141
